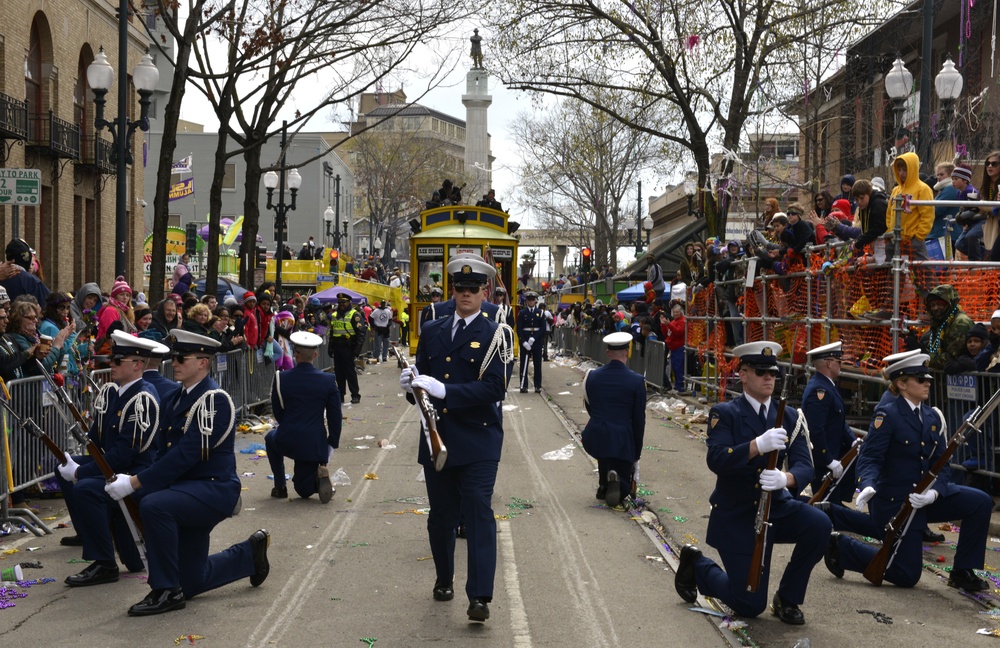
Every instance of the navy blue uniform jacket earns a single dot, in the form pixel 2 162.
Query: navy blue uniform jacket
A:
pixel 126 447
pixel 446 309
pixel 828 430
pixel 616 402
pixel 897 452
pixel 470 416
pixel 530 324
pixel 204 469
pixel 164 387
pixel 306 401
pixel 731 428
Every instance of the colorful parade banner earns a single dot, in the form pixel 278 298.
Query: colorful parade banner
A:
pixel 182 189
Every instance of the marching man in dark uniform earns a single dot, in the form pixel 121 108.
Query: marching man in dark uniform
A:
pixel 306 404
pixel 430 311
pixel 346 337
pixel 741 432
pixel 191 488
pixel 127 413
pixel 615 397
pixel 460 364
pixel 905 439
pixel 531 333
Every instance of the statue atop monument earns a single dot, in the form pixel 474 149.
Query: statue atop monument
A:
pixel 477 50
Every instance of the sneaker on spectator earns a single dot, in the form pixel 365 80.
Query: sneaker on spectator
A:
pixel 878 316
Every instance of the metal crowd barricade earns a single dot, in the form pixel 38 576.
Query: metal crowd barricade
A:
pixel 647 360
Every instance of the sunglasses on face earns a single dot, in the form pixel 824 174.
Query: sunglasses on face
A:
pixel 181 358
pixel 766 372
pixel 922 379
pixel 472 290
pixel 991 163
pixel 118 360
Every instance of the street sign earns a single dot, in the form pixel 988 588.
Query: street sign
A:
pixel 20 187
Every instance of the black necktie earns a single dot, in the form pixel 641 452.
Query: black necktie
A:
pixel 459 328
pixel 763 414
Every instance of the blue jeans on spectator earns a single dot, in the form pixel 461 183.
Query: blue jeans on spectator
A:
pixel 382 345
pixel 677 366
pixel 969 242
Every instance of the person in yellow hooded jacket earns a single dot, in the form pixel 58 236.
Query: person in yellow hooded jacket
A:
pixel 916 223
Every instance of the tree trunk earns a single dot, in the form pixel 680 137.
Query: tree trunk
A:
pixel 168 144
pixel 215 202
pixel 251 215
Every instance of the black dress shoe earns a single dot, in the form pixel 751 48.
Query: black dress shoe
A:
pixel 71 541
pixel 788 612
pixel 825 507
pixel 524 391
pixel 684 581
pixel 324 487
pixel 832 556
pixel 478 610
pixel 158 601
pixel 279 492
pixel 538 390
pixel 355 400
pixel 929 536
pixel 259 542
pixel 443 591
pixel 94 574
pixel 613 496
pixel 602 492
pixel 966 579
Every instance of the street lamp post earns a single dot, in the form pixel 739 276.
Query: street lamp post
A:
pixel 647 224
pixel 328 220
pixel 898 84
pixel 100 76
pixel 272 180
pixel 948 85
pixel 629 223
pixel 393 256
pixel 638 218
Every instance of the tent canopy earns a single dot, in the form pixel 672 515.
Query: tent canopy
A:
pixel 329 296
pixel 631 293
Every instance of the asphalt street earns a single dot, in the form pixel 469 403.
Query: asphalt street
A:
pixel 357 571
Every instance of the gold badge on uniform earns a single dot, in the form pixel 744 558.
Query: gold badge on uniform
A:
pixel 474 345
pixel 878 421
pixel 933 428
pixel 714 420
pixel 820 394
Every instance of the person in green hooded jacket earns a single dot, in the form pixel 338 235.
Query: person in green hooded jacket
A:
pixel 945 340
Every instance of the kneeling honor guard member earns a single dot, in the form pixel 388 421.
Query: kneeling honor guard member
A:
pixel 905 439
pixel 615 397
pixel 127 415
pixel 306 405
pixel 191 488
pixel 740 433
pixel 460 364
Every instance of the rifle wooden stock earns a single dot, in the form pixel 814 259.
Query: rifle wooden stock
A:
pixel 763 511
pixel 439 453
pixel 829 482
pixel 894 530
pixel 79 432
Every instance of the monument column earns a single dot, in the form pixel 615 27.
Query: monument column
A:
pixel 477 101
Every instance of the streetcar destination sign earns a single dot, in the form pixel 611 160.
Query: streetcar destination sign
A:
pixel 20 187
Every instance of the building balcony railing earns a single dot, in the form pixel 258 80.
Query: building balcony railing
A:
pixel 97 153
pixel 13 118
pixel 55 136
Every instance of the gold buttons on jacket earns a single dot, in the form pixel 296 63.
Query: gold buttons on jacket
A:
pixel 447 359
pixel 446 376
pixel 444 411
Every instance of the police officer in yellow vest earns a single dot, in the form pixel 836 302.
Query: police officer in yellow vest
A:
pixel 346 336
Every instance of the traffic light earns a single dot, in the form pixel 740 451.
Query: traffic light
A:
pixel 334 260
pixel 191 238
pixel 586 254
pixel 261 257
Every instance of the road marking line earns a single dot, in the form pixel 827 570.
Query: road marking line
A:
pixel 290 601
pixel 515 603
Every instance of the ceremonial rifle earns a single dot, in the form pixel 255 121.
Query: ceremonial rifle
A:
pixel 79 432
pixel 764 504
pixel 439 453
pixel 830 483
pixel 898 525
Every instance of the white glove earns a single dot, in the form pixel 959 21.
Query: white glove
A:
pixel 431 385
pixel 866 494
pixel 406 378
pixel 68 469
pixel 329 456
pixel 773 439
pixel 773 480
pixel 120 488
pixel 635 472
pixel 920 500
pixel 531 341
pixel 836 468
pixel 526 345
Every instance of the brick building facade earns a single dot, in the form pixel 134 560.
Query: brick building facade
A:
pixel 47 123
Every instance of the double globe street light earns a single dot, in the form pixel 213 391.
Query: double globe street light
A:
pixel 100 77
pixel 271 181
pixel 947 85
